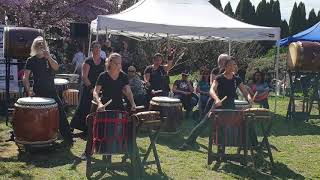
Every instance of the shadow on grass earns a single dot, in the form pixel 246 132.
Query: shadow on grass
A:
pixel 279 171
pixel 283 127
pixel 14 174
pixel 44 158
pixel 122 172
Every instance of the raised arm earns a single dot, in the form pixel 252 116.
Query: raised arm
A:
pixel 245 93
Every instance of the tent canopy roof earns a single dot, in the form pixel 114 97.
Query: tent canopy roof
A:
pixel 187 19
pixel 311 34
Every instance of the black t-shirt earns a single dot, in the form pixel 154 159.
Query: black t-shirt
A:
pixel 112 89
pixel 182 85
pixel 95 70
pixel 43 75
pixel 158 78
pixel 228 87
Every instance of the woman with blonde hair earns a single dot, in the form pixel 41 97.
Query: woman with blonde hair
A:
pixel 42 66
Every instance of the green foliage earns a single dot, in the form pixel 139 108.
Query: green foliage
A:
pixel 312 20
pixel 217 4
pixel 302 16
pixel 228 10
pixel 284 29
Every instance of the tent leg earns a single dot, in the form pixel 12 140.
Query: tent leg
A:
pixel 277 77
pixel 90 36
pixel 229 48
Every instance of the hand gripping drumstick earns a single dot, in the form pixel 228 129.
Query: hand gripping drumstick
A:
pixel 254 96
pixel 214 107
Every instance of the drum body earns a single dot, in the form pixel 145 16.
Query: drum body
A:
pixel 241 105
pixel 304 56
pixel 259 113
pixel 71 97
pixel 112 133
pixel 170 112
pixel 35 120
pixel 72 78
pixel 18 41
pixel 228 128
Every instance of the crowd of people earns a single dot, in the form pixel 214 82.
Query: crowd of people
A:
pixel 109 77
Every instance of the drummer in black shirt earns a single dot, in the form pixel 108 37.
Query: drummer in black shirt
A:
pixel 224 85
pixel 156 76
pixel 42 66
pixel 114 84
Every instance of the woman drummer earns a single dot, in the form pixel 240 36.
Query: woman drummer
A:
pixel 113 83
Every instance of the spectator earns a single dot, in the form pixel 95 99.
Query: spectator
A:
pixel 137 87
pixel 183 90
pixel 259 89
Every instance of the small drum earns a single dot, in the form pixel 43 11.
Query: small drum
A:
pixel 241 105
pixel 61 84
pixel 259 113
pixel 228 127
pixel 304 56
pixel 170 111
pixel 71 97
pixel 72 78
pixel 111 132
pixel 35 121
pixel 148 119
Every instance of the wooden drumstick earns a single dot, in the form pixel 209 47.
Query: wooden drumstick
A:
pixel 254 96
pixel 224 98
pixel 106 104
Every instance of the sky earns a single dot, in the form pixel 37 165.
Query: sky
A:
pixel 285 6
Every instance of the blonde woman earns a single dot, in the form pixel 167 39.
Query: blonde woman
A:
pixel 42 66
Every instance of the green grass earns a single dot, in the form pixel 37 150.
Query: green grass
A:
pixel 298 157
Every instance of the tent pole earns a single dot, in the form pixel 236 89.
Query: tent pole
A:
pixel 90 36
pixel 277 76
pixel 229 48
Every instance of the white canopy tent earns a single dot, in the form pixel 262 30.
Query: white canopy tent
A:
pixel 184 19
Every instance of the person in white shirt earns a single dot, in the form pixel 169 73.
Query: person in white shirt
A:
pixel 78 60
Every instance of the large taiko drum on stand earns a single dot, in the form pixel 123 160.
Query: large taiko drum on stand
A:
pixel 170 112
pixel 35 121
pixel 304 56
pixel 18 40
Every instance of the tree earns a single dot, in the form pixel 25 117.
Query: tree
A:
pixel 284 29
pixel 302 17
pixel 228 10
pixel 294 20
pixel 262 14
pixel 276 14
pixel 246 11
pixel 45 14
pixel 312 20
pixel 217 4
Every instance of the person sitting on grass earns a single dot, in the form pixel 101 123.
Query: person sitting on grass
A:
pixel 259 89
pixel 182 90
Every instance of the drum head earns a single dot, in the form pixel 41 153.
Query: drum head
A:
pixel 165 99
pixel 35 101
pixel 59 81
pixel 293 54
pixel 241 102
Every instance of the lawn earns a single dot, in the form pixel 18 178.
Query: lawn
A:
pixel 297 156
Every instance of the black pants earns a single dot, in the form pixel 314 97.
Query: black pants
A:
pixel 64 127
pixel 185 100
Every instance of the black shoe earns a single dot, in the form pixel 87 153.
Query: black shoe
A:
pixel 184 147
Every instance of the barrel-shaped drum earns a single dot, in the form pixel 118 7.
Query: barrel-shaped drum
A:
pixel 35 120
pixel 112 133
pixel 170 112
pixel 304 56
pixel 61 84
pixel 241 105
